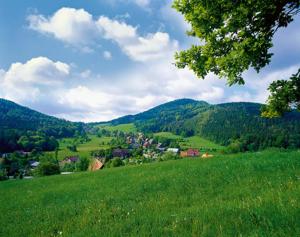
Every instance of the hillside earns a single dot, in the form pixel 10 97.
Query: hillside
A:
pixel 251 194
pixel 17 120
pixel 238 123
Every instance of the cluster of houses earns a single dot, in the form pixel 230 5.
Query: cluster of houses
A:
pixel 151 149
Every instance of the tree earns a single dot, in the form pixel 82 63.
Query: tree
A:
pixel 285 95
pixel 83 164
pixel 48 168
pixel 237 35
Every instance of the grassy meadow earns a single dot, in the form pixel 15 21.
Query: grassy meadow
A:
pixel 97 143
pixel 250 194
pixel 83 149
pixel 191 142
pixel 128 127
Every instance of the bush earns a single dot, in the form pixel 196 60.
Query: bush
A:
pixel 68 167
pixel 3 175
pixel 116 162
pixel 83 164
pixel 170 156
pixel 47 168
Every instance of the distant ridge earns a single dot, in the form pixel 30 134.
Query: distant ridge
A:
pixel 220 123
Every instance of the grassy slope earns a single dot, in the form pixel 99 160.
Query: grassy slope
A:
pixel 84 149
pixel 254 194
pixel 191 142
pixel 128 127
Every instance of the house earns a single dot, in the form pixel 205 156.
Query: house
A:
pixel 183 154
pixel 122 153
pixel 71 159
pixel 96 165
pixel 206 155
pixel 173 150
pixel 33 163
pixel 146 144
pixel 160 147
pixel 190 153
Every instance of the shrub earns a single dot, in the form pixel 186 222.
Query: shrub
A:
pixel 83 164
pixel 3 175
pixel 47 168
pixel 116 162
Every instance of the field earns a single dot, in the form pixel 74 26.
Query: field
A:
pixel 191 142
pixel 251 194
pixel 129 127
pixel 84 149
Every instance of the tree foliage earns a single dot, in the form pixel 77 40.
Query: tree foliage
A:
pixel 236 35
pixel 285 95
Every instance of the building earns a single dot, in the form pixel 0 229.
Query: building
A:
pixel 122 153
pixel 190 153
pixel 69 160
pixel 206 155
pixel 96 165
pixel 33 163
pixel 173 150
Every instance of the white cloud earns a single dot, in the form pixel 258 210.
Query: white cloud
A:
pixel 28 81
pixel 107 55
pixel 77 27
pixel 73 26
pixel 56 88
pixel 260 83
pixel 138 48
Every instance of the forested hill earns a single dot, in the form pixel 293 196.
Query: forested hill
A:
pixel 17 121
pixel 239 124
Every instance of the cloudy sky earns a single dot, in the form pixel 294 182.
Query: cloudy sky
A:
pixel 100 59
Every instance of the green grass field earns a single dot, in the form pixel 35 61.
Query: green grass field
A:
pixel 251 194
pixel 191 142
pixel 84 149
pixel 129 127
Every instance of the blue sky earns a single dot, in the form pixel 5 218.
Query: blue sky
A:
pixel 99 59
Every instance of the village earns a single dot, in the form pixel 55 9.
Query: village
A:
pixel 137 148
pixel 124 149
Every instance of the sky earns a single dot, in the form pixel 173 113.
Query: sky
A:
pixel 101 59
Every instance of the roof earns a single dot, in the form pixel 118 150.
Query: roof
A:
pixel 175 150
pixel 33 163
pixel 72 158
pixel 96 165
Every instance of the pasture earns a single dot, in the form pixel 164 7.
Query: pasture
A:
pixel 250 194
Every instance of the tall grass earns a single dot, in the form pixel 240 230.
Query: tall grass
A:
pixel 253 194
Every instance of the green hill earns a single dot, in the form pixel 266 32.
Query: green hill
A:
pixel 251 194
pixel 236 123
pixel 17 121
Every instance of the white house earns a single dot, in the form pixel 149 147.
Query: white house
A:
pixel 173 150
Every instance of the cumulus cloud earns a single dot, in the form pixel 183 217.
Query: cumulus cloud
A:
pixel 138 48
pixel 27 81
pixel 56 88
pixel 73 26
pixel 77 27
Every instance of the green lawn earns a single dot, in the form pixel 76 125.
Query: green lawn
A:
pixel 84 149
pixel 129 127
pixel 253 194
pixel 191 142
pixel 167 135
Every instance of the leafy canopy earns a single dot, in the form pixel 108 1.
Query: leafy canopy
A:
pixel 235 35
